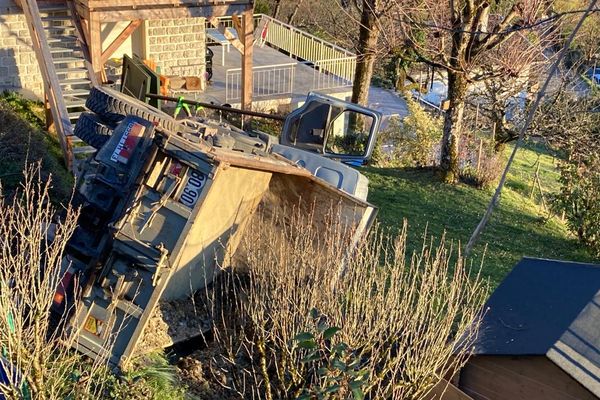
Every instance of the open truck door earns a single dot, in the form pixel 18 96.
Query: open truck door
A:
pixel 333 128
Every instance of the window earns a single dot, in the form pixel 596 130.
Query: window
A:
pixel 349 133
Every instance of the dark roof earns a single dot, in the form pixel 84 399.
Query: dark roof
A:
pixel 534 306
pixel 547 307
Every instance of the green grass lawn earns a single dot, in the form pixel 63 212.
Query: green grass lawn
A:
pixel 519 227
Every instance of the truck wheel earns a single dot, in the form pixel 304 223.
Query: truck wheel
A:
pixel 92 130
pixel 113 106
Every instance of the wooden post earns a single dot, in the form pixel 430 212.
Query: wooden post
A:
pixel 248 41
pixel 539 182
pixel 95 46
pixel 50 127
pixel 479 155
pixel 535 178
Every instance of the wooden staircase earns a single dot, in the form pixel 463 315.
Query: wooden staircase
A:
pixel 63 58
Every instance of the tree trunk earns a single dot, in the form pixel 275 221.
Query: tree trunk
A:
pixel 367 51
pixel 457 92
pixel 400 77
pixel 277 9
pixel 292 16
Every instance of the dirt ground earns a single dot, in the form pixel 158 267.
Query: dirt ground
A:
pixel 205 374
pixel 175 321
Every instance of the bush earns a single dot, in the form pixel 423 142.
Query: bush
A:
pixel 398 325
pixel 579 199
pixel 480 170
pixel 262 7
pixel 36 356
pixel 30 272
pixel 410 142
pixel 336 366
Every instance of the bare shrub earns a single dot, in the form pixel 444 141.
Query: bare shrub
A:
pixel 36 359
pixel 400 319
pixel 481 165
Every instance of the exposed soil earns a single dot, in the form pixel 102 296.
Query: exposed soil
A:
pixel 206 374
pixel 175 321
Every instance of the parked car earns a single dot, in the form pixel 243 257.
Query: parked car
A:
pixel 594 75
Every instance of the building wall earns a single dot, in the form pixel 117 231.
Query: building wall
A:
pixel 519 378
pixel 177 46
pixel 18 65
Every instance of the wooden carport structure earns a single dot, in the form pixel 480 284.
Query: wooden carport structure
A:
pixel 87 17
pixel 93 13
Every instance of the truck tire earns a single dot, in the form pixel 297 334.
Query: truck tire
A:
pixel 113 106
pixel 92 130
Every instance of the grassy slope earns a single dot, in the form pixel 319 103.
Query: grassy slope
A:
pixel 518 227
pixel 23 141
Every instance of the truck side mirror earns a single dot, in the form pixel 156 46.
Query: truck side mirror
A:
pixel 334 128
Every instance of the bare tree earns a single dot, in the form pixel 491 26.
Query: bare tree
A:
pixel 526 125
pixel 586 43
pixel 472 41
pixel 277 10
pixel 294 12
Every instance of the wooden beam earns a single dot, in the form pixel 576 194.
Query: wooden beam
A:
pixel 235 42
pixel 237 25
pixel 95 45
pixel 50 127
pixel 119 40
pixel 248 42
pixel 117 13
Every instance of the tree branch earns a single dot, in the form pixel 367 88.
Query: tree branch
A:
pixel 496 197
pixel 487 43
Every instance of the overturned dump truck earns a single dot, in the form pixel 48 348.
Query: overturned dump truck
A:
pixel 164 203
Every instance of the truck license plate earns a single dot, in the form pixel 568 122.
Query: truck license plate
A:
pixel 195 182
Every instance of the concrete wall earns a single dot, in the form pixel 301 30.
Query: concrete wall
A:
pixel 177 46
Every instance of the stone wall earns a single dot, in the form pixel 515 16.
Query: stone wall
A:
pixel 177 46
pixel 18 65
